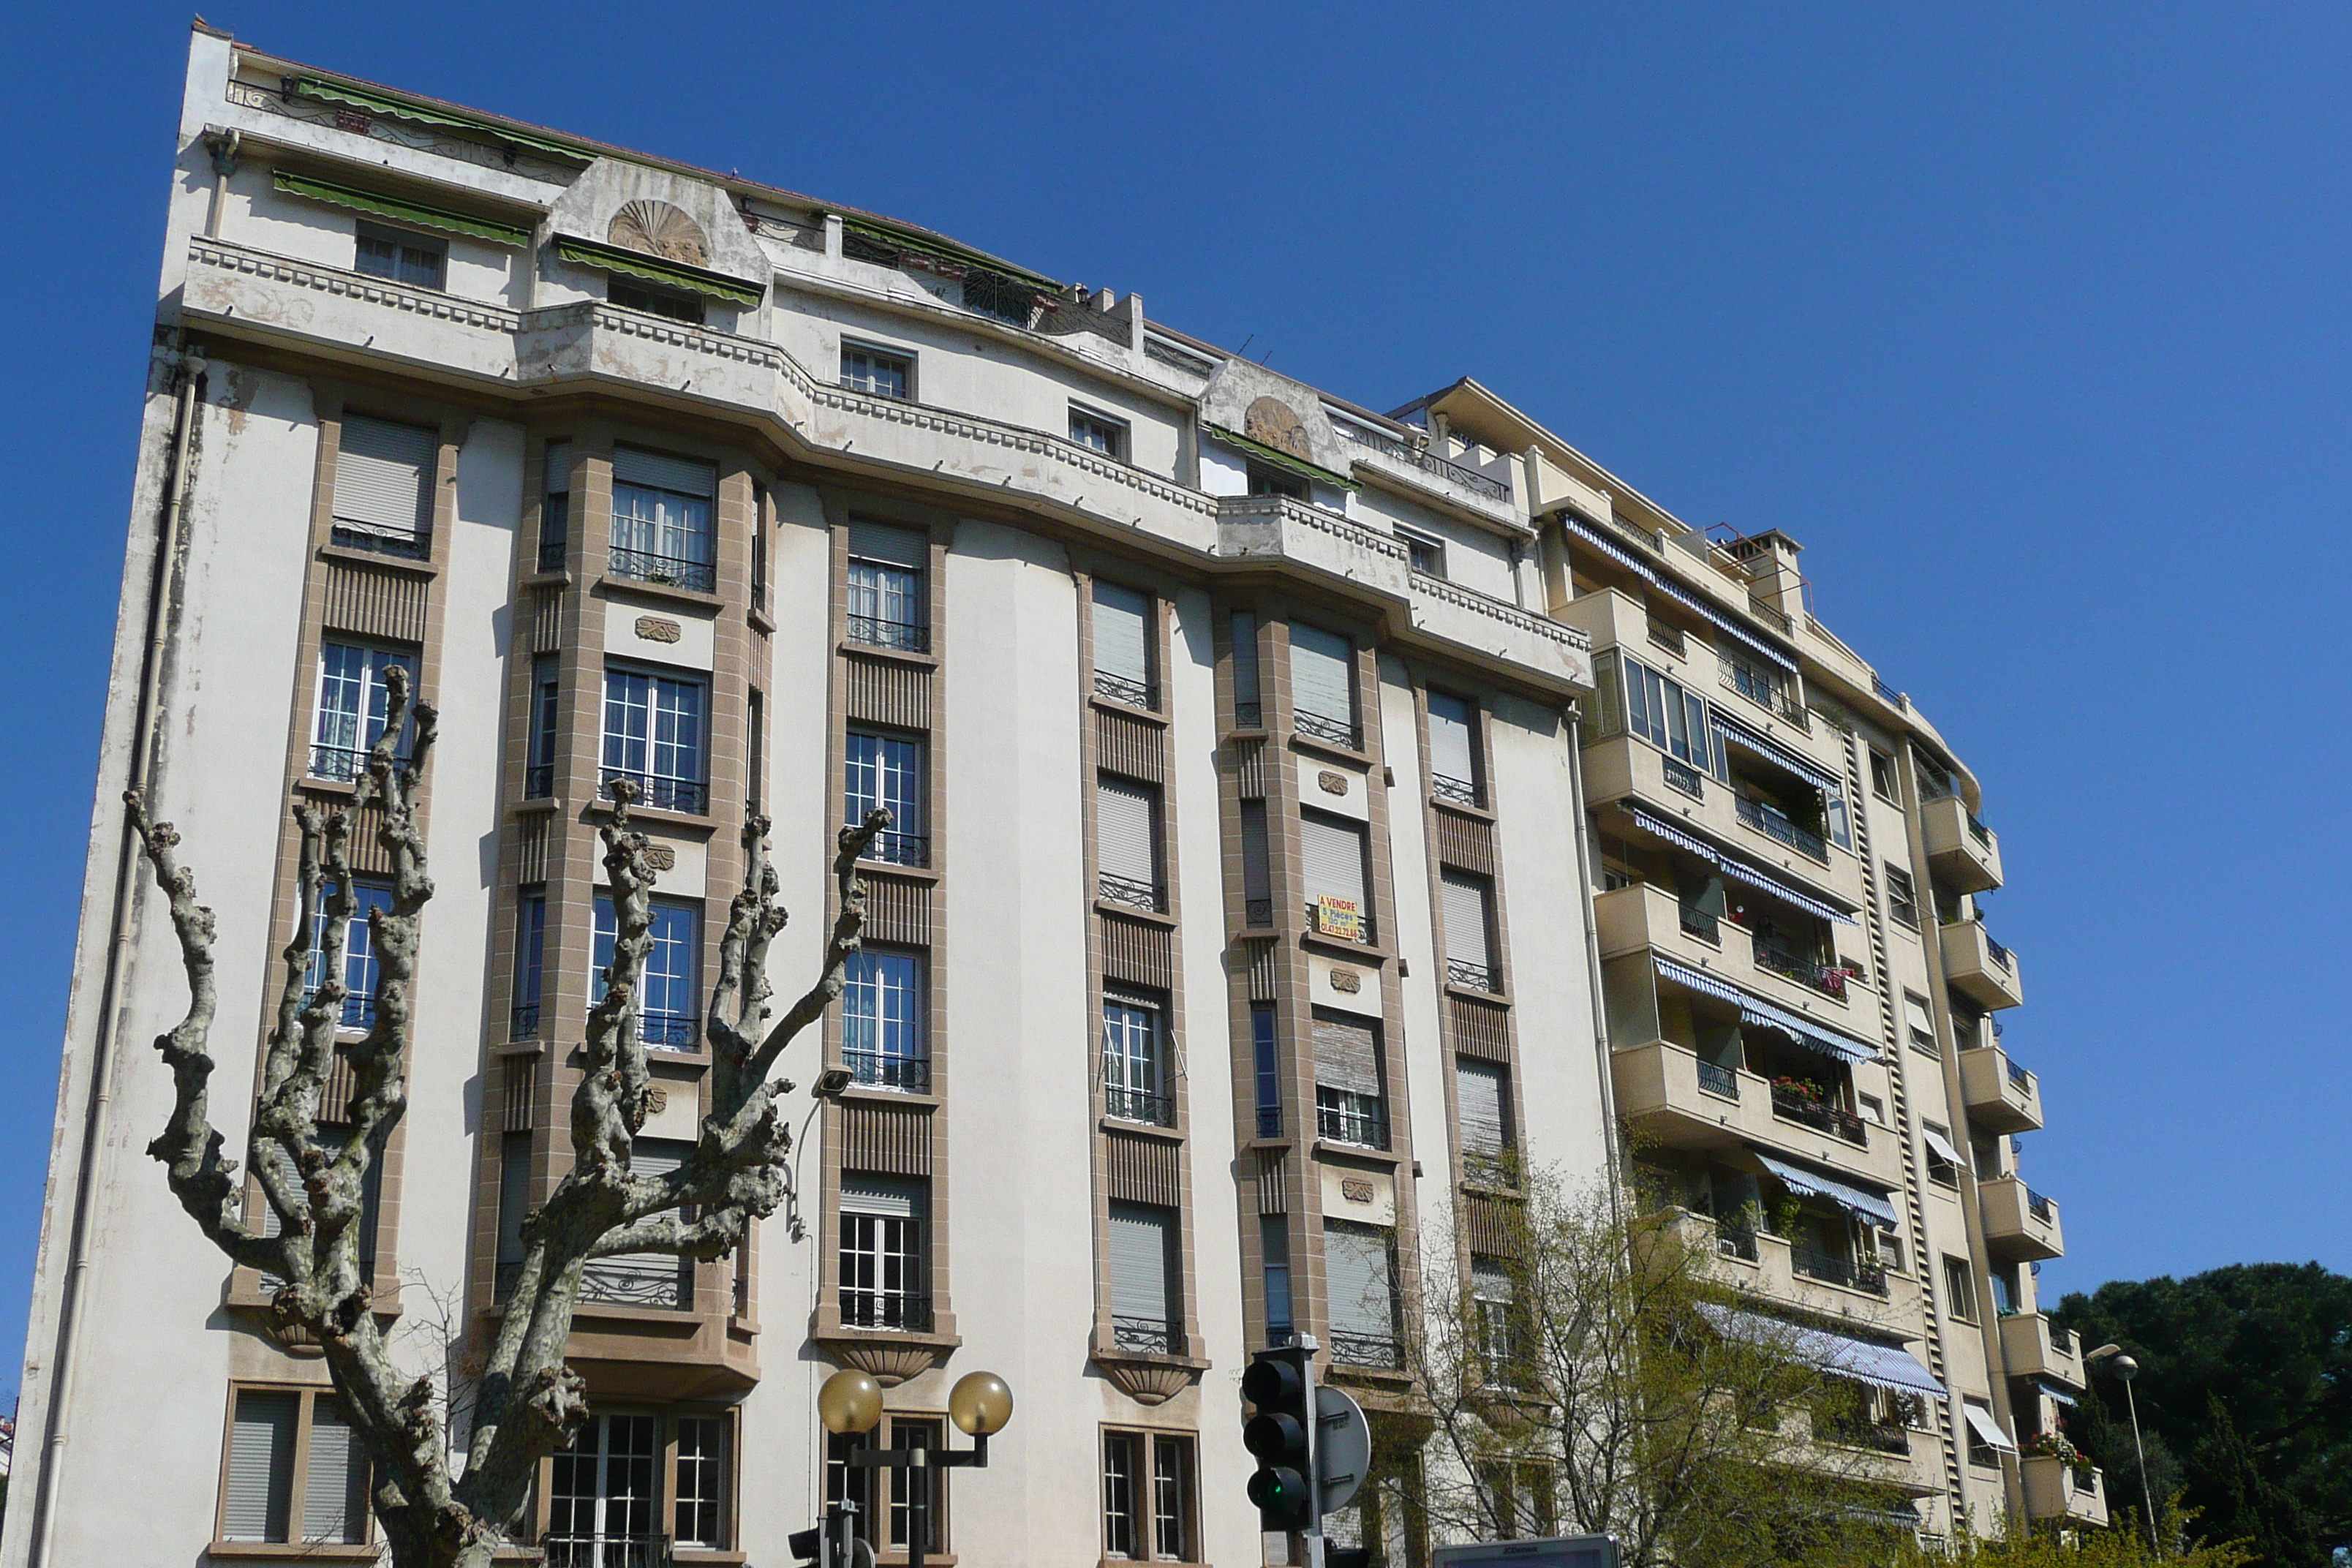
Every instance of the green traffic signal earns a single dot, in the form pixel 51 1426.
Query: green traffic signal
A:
pixel 1281 1496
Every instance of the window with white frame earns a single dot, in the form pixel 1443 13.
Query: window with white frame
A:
pixel 878 371
pixel 883 1278
pixel 298 1471
pixel 883 1030
pixel 606 1506
pixel 1425 553
pixel 1902 897
pixel 698 1513
pixel 361 972
pixel 668 1011
pixel 530 962
pixel 400 256
pixel 353 696
pixel 884 769
pixel 1149 1496
pixel 655 737
pixel 1135 1064
pixel 1099 431
pixel 662 530
pixel 1454 749
pixel 384 473
pixel 1350 1106
pixel 886 605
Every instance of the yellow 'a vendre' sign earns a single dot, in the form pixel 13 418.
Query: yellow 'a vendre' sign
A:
pixel 1341 918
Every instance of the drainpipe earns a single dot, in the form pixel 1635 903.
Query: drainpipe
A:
pixel 1592 962
pixel 225 146
pixel 191 372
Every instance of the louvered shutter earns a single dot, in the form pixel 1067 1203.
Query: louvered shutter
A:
pixel 1478 1093
pixel 1244 632
pixel 1122 627
pixel 894 546
pixel 1321 674
pixel 1356 1270
pixel 1347 1056
pixel 1142 1276
pixel 882 1196
pixel 558 467
pixel 383 475
pixel 1466 936
pixel 260 1465
pixel 1255 870
pixel 651 469
pixel 334 1488
pixel 1334 856
pixel 1124 842
pixel 1449 738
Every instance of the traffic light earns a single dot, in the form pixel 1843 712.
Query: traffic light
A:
pixel 1281 1384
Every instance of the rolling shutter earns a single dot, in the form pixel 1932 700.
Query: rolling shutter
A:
pixel 882 1196
pixel 651 469
pixel 650 1157
pixel 1125 843
pixel 1466 937
pixel 1321 667
pixel 1245 632
pixel 1479 1093
pixel 1449 738
pixel 384 476
pixel 893 546
pixel 558 467
pixel 260 1465
pixel 1347 1056
pixel 1143 1267
pixel 335 1491
pixel 1334 856
pixel 1122 622
pixel 1356 1268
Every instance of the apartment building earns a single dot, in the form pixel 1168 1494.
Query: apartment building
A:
pixel 1296 810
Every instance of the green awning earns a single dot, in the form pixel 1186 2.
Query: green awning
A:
pixel 400 210
pixel 653 270
pixel 399 108
pixel 881 235
pixel 1281 459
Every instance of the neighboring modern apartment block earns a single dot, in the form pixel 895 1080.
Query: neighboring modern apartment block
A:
pixel 1300 814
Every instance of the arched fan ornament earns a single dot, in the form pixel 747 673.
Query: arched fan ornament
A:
pixel 659 229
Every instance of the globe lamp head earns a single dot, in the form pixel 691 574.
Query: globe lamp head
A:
pixel 980 1404
pixel 850 1401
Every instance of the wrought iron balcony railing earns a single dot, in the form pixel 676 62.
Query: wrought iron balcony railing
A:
pixel 408 546
pixel 1473 976
pixel 1681 775
pixel 1147 1336
pixel 344 764
pixel 1735 1240
pixel 1854 1273
pixel 1722 1080
pixel 880 1069
pixel 1119 689
pixel 668 571
pixel 525 1024
pixel 1776 824
pixel 891 847
pixel 1134 895
pixel 1790 1105
pixel 1461 790
pixel 1139 1105
pixel 690 795
pixel 1329 731
pixel 1257 912
pixel 1353 1348
pixel 904 636
pixel 1269 1121
pixel 669 1031
pixel 1698 922
pixel 592 1551
pixel 1363 1129
pixel 1249 716
pixel 652 1281
pixel 539 781
pixel 1829 979
pixel 550 554
pixel 906 1311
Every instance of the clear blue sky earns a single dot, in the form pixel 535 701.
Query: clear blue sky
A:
pixel 2029 323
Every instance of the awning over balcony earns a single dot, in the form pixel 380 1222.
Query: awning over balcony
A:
pixel 1881 1367
pixel 1867 1206
pixel 1941 1145
pixel 1763 1015
pixel 1673 589
pixel 1731 866
pixel 2057 1391
pixel 1765 746
pixel 1987 1429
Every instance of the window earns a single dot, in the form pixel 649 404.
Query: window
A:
pixel 667 1014
pixel 1935 779
pixel 514 1207
pixel 1469 906
pixel 1266 479
pixel 1274 1252
pixel 1360 1264
pixel 1265 1062
pixel 646 1279
pixel 884 1036
pixel 1871 1108
pixel 886 769
pixel 662 521
pixel 360 970
pixel 755 737
pixel 384 485
pixel 877 371
pixel 1943 1158
pixel 1135 1068
pixel 1882 774
pixel 529 966
pixel 1249 703
pixel 1123 644
pixel 604 1492
pixel 886 606
pixel 1499 1346
pixel 352 698
pixel 1349 1106
pixel 270 1429
pixel 1333 851
pixel 1761 684
pixel 1323 686
pixel 1663 712
pixel 1902 897
pixel 1920 1023
pixel 677 304
pixel 555 507
pixel 1959 1290
pixel 1427 555
pixel 653 738
pixel 1148 1496
pixel 1104 434
pixel 1987 1441
pixel 403 257
pixel 1482 1098
pixel 884 1282
pixel 1127 842
pixel 1519 1497
pixel 1454 749
pixel 700 1511
pixel 917 1501
pixel 546 711
pixel 1146 1314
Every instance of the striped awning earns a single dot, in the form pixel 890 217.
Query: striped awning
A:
pixel 1731 865
pixel 1763 1015
pixel 1851 1198
pixel 1675 591
pixel 1765 746
pixel 1884 1366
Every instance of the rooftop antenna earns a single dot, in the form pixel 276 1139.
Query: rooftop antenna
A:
pixel 1245 343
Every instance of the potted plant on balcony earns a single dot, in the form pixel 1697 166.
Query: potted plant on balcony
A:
pixel 2057 1446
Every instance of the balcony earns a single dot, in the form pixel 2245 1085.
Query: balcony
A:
pixel 2031 1348
pixel 665 571
pixel 2056 1492
pixel 1686 1103
pixel 1964 851
pixel 2020 1223
pixel 2001 1096
pixel 1775 825
pixel 1642 916
pixel 1979 968
pixel 1378 452
pixel 1762 1265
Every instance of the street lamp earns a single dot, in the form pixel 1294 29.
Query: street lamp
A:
pixel 851 1402
pixel 2126 1369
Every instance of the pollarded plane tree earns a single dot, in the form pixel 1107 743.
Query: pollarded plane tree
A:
pixel 528 1404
